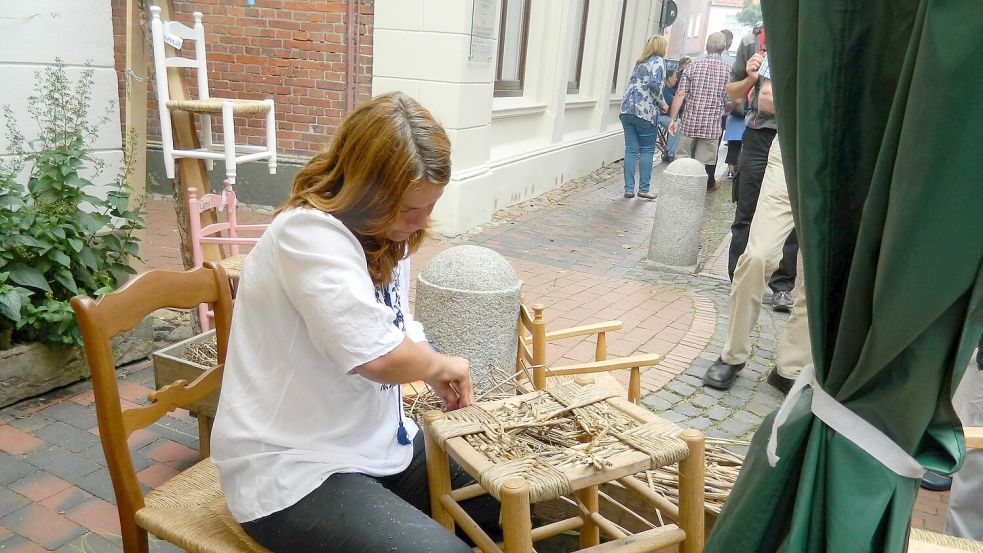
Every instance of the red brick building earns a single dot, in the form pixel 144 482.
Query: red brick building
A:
pixel 292 51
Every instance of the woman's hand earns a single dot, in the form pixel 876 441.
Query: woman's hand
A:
pixel 453 382
pixel 448 376
pixel 673 126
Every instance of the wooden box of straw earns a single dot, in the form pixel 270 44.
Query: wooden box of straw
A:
pixel 186 360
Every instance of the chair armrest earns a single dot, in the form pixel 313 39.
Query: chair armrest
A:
pixel 606 326
pixel 974 436
pixel 643 360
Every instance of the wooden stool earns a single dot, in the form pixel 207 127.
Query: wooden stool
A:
pixel 562 441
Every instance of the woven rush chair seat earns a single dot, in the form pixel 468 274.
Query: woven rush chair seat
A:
pixel 561 442
pixel 539 436
pixel 930 542
pixel 190 512
pixel 214 106
pixel 233 265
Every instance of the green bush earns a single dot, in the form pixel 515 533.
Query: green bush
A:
pixel 58 239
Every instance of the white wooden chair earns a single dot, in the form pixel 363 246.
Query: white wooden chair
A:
pixel 173 34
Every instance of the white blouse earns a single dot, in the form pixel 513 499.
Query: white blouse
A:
pixel 291 411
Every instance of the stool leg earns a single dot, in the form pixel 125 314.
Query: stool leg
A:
pixel 691 491
pixel 438 472
pixel 590 534
pixel 516 517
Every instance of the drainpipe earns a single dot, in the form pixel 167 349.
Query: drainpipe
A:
pixel 351 42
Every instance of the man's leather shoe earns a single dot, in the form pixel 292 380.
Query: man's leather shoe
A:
pixel 779 382
pixel 721 375
pixel 935 481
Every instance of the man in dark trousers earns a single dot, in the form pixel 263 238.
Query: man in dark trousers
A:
pixel 757 139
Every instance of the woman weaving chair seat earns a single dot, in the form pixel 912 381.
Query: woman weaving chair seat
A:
pixel 313 450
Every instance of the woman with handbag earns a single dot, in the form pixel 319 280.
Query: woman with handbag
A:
pixel 640 110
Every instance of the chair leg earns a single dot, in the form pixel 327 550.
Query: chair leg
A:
pixel 516 517
pixel 691 492
pixel 204 436
pixel 590 534
pixel 134 537
pixel 271 137
pixel 167 142
pixel 438 472
pixel 206 138
pixel 203 317
pixel 229 136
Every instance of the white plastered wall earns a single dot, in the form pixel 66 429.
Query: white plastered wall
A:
pixel 506 150
pixel 35 32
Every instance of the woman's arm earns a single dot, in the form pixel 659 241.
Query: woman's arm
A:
pixel 411 361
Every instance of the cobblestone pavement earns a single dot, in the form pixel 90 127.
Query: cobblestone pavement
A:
pixel 579 251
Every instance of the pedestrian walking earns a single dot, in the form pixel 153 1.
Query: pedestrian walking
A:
pixel 757 138
pixel 768 233
pixel 640 110
pixel 702 85
pixel 733 122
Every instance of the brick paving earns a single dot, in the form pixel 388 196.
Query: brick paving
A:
pixel 579 251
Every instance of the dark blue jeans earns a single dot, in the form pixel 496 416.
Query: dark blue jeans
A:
pixel 353 512
pixel 640 137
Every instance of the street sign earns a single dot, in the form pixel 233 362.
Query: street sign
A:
pixel 669 13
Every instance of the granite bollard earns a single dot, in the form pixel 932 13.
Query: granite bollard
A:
pixel 467 298
pixel 675 242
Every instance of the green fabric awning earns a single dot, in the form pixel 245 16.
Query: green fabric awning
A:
pixel 880 111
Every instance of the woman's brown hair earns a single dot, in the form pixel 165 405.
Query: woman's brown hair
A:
pixel 382 149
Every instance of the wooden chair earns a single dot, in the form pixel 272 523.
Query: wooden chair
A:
pixel 531 355
pixel 517 451
pixel 222 233
pixel 174 34
pixel 923 541
pixel 189 509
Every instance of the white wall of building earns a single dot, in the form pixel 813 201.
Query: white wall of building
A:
pixel 35 32
pixel 725 17
pixel 506 150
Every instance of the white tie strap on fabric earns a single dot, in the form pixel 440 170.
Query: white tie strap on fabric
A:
pixel 847 423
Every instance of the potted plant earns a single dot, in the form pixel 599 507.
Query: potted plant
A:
pixel 61 233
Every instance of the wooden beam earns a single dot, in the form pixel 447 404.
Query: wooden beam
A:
pixel 134 102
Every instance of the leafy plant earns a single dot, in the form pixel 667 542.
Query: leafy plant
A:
pixel 58 236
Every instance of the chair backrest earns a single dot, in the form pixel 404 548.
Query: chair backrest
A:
pixel 103 318
pixel 173 33
pixel 531 354
pixel 212 234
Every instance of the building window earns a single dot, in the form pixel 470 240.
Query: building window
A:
pixel 512 35
pixel 617 52
pixel 577 61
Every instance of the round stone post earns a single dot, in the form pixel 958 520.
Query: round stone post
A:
pixel 675 241
pixel 467 298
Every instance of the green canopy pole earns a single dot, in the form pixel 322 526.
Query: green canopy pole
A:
pixel 880 115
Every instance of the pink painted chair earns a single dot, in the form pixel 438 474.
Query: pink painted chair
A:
pixel 222 233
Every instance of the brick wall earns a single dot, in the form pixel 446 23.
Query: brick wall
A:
pixel 291 51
